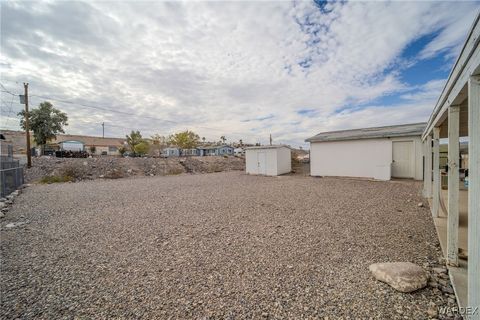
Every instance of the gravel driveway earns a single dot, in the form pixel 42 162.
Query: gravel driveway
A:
pixel 221 245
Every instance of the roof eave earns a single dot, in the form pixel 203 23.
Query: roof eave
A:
pixel 419 134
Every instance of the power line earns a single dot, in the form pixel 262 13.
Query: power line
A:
pixel 13 81
pixel 5 90
pixel 130 113
pixel 9 111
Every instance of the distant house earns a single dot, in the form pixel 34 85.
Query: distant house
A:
pixel 170 152
pixel 189 152
pixel 206 151
pixel 224 150
pixel 199 151
pixel 71 145
pixel 102 146
pixel 215 150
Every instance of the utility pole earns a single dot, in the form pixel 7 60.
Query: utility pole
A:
pixel 270 139
pixel 27 127
pixel 103 129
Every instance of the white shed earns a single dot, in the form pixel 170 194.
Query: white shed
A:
pixel 268 160
pixel 379 153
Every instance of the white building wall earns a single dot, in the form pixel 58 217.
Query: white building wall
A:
pixel 284 160
pixel 369 158
pixel 271 161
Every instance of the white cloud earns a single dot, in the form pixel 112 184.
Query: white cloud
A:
pixel 208 66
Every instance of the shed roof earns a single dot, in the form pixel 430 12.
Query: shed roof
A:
pixel 275 146
pixel 414 129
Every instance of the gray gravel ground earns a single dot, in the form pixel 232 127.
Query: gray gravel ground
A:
pixel 222 245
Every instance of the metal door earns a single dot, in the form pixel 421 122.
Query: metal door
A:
pixel 402 166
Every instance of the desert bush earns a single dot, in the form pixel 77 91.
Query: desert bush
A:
pixel 215 168
pixel 174 171
pixel 74 170
pixel 56 179
pixel 115 173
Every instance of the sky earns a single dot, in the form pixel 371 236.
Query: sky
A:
pixel 238 69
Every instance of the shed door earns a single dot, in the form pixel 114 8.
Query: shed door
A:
pixel 262 162
pixel 402 166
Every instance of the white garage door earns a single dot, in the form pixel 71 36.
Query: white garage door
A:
pixel 402 166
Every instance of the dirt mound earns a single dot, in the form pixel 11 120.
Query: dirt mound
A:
pixel 115 167
pixel 212 164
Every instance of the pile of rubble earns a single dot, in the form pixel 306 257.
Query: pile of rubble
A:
pixel 71 169
pixel 443 291
pixel 7 202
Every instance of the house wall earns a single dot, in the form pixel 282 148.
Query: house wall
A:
pixel 284 160
pixel 369 158
pixel 189 152
pixel 170 152
pixel 100 149
pixel 224 150
pixel 357 158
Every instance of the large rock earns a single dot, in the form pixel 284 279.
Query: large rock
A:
pixel 402 276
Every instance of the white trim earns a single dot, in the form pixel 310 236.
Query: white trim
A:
pixel 428 168
pixel 453 184
pixel 436 172
pixel 465 66
pixel 474 194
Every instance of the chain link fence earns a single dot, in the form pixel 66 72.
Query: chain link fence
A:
pixel 11 173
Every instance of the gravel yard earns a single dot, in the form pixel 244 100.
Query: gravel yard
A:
pixel 220 245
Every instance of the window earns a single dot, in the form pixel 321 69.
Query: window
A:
pixel 112 149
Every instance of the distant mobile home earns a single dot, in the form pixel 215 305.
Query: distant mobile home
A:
pixel 268 160
pixel 170 152
pixel 379 153
pixel 215 150
pixel 72 145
